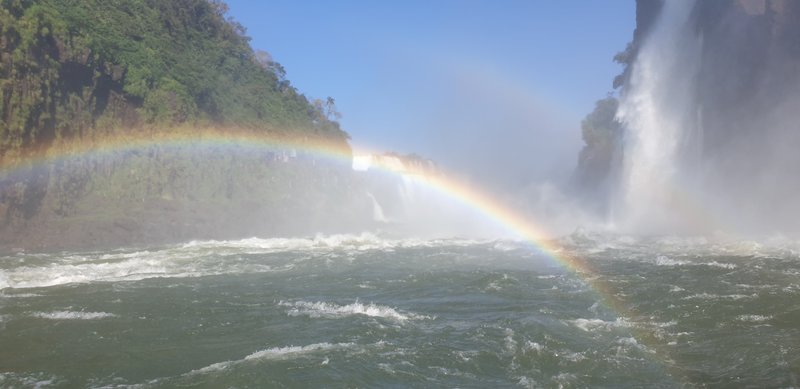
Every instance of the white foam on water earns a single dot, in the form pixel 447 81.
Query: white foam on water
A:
pixel 628 341
pixel 509 342
pixel 387 368
pixel 527 382
pixel 34 380
pixel 721 265
pixel 19 295
pixel 193 259
pixel 330 310
pixel 663 260
pixel 90 268
pixel 276 353
pixel 363 241
pixel 507 246
pixel 532 346
pixel 291 351
pixel 4 282
pixel 711 296
pixel 72 315
pixel 497 285
pixel 664 324
pixel 686 250
pixel 572 356
pixel 754 318
pixel 466 355
pixel 451 372
pixel 565 380
pixel 590 325
pixel 762 286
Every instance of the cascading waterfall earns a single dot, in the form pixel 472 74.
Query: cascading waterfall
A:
pixel 660 114
pixel 405 202
pixel 414 196
pixel 422 207
pixel 377 210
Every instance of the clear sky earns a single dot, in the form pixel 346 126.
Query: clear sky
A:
pixel 472 84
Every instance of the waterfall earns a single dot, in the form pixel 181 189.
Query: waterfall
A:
pixel 412 195
pixel 404 199
pixel 377 210
pixel 420 204
pixel 659 112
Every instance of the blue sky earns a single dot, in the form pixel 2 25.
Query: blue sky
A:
pixel 473 84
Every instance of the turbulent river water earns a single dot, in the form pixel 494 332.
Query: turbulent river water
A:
pixel 365 311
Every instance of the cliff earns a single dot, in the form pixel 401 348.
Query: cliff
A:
pixel 89 88
pixel 86 68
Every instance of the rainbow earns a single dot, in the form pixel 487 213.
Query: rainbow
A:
pixel 466 195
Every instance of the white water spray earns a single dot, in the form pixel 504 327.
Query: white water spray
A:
pixel 659 112
pixel 404 200
pixel 377 210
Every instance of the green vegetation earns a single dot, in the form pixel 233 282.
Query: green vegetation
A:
pixel 78 74
pixel 601 133
pixel 84 68
pixel 600 128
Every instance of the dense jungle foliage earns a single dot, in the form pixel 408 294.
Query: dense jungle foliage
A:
pixel 81 74
pixel 83 68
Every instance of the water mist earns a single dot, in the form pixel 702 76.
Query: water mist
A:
pixel 658 110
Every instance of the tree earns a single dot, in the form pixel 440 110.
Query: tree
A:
pixel 330 109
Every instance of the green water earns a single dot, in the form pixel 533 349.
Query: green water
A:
pixel 362 311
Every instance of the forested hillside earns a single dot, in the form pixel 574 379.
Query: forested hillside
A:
pixel 84 68
pixel 85 74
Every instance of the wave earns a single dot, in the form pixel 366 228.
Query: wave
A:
pixel 329 310
pixel 72 315
pixel 754 318
pixel 720 264
pixel 27 380
pixel 718 244
pixel 663 260
pixel 193 259
pixel 711 296
pixel 590 325
pixel 18 295
pixel 86 269
pixel 203 258
pixel 276 353
pixel 363 241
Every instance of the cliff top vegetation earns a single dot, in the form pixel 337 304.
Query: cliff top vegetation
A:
pixel 85 69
